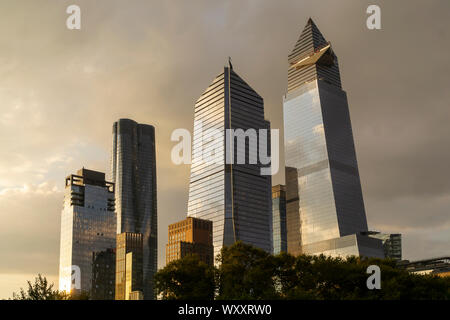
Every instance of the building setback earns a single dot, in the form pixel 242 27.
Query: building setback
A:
pixel 88 225
pixel 325 207
pixel 235 197
pixel 190 236
pixel 133 170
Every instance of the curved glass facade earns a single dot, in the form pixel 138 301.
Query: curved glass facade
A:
pixel 133 170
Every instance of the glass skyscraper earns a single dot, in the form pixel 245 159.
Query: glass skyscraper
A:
pixel 235 197
pixel 129 258
pixel 88 225
pixel 325 208
pixel 133 170
pixel 279 235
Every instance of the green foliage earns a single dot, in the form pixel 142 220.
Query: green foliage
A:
pixel 187 278
pixel 40 290
pixel 246 272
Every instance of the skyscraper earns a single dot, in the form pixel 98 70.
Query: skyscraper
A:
pixel 88 225
pixel 129 258
pixel 234 196
pixel 190 236
pixel 279 235
pixel 325 204
pixel 133 170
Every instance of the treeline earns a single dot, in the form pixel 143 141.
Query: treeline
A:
pixel 41 289
pixel 246 272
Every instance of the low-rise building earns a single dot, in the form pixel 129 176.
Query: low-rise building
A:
pixel 190 236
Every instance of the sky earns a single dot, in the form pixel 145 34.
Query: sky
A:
pixel 61 90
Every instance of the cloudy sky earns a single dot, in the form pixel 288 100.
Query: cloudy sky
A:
pixel 61 90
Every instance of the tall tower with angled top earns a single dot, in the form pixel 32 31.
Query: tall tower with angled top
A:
pixel 325 207
pixel 234 196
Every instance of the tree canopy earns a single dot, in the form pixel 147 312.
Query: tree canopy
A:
pixel 41 289
pixel 187 278
pixel 246 272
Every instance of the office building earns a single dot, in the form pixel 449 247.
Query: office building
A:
pixel 325 207
pixel 88 225
pixel 234 196
pixel 133 170
pixel 190 236
pixel 279 233
pixel 129 265
pixel 103 275
pixel 392 243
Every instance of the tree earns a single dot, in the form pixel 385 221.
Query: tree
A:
pixel 188 278
pixel 294 278
pixel 327 278
pixel 245 272
pixel 40 290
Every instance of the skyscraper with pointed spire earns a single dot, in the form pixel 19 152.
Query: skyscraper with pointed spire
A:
pixel 234 196
pixel 325 207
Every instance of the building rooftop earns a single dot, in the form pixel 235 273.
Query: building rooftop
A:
pixel 89 177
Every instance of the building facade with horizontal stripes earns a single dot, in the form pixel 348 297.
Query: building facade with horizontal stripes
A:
pixel 234 196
